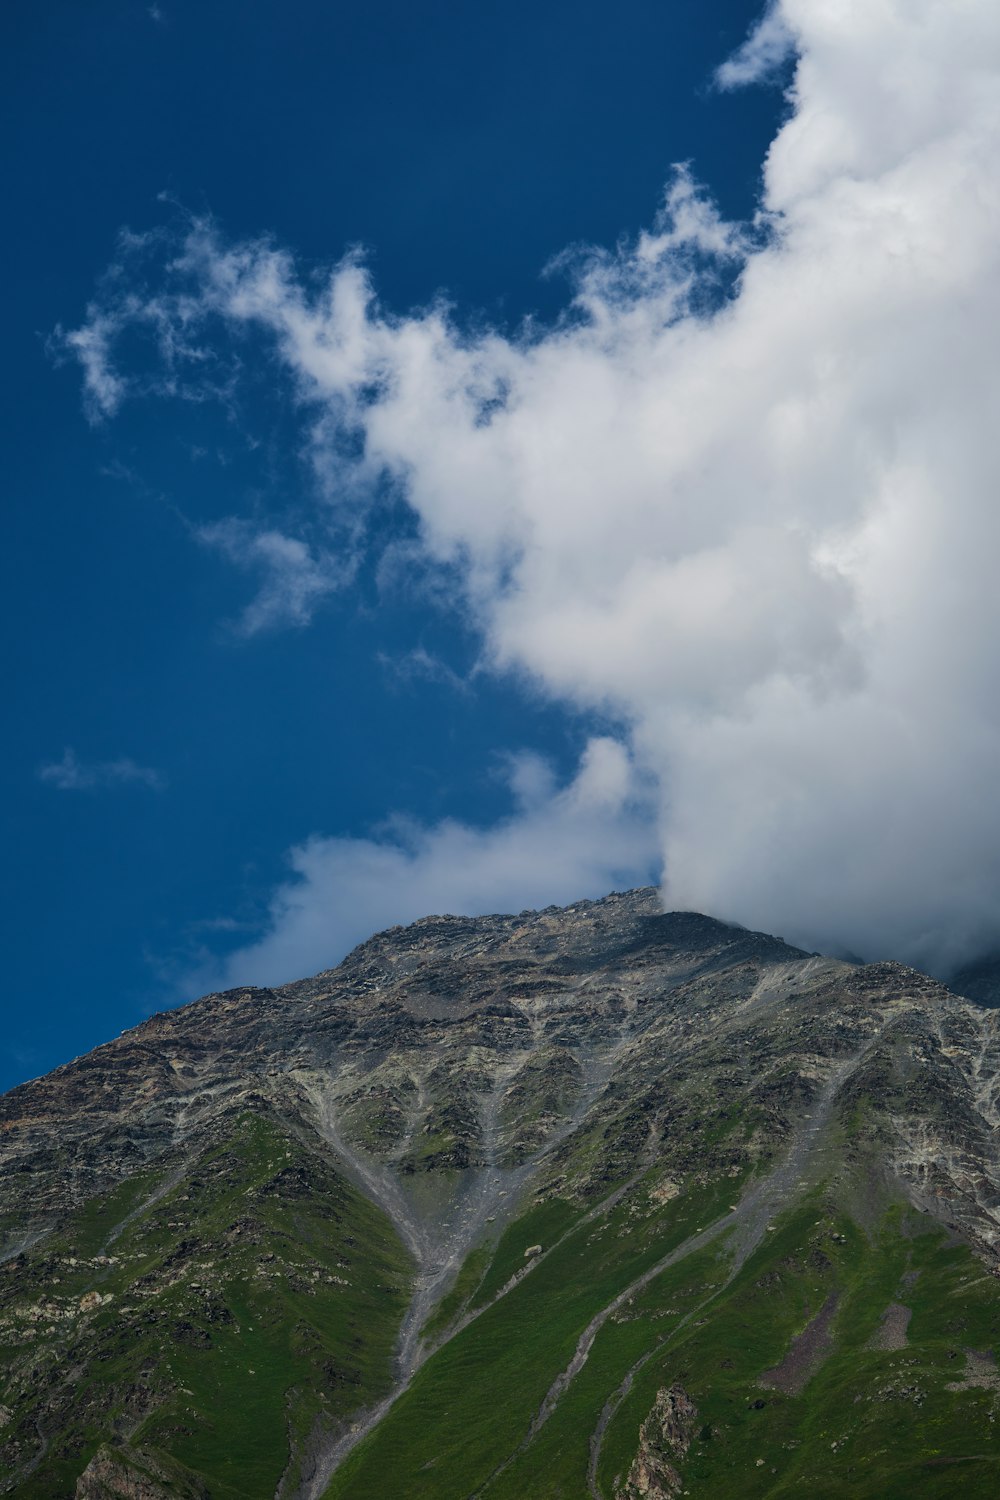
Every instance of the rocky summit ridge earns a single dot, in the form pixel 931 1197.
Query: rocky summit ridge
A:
pixel 592 1201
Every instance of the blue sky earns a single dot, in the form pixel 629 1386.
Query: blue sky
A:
pixel 465 146
pixel 463 458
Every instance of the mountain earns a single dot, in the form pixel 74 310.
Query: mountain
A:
pixel 593 1201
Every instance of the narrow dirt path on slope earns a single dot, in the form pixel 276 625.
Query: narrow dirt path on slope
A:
pixel 748 1223
pixel 173 1179
pixel 440 1248
pixel 599 1211
pixel 767 1196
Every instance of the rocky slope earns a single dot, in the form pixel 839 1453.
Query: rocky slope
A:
pixel 478 1211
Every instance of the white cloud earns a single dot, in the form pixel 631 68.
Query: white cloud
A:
pixel 73 775
pixel 768 47
pixel 755 522
pixel 560 843
pixel 419 666
pixel 293 578
pixel 91 345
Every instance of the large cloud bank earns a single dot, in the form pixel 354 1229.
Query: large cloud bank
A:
pixel 745 498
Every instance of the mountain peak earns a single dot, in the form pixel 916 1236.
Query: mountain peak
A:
pixel 517 1122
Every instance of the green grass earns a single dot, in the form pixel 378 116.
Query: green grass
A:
pixel 556 1462
pixel 841 1435
pixel 855 1428
pixel 454 1302
pixel 472 1403
pixel 258 1298
pixel 543 1224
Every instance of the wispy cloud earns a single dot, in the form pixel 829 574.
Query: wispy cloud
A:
pixel 293 578
pixel 91 345
pixel 764 53
pixel 741 498
pixel 421 665
pixel 74 775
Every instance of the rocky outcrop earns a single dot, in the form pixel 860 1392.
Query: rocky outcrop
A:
pixel 121 1474
pixel 664 1439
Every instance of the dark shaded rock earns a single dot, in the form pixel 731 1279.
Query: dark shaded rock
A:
pixel 664 1440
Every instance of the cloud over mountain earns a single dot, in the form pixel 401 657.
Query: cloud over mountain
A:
pixel 742 497
pixel 559 843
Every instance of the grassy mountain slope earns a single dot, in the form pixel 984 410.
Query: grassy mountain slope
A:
pixel 589 1202
pixel 211 1312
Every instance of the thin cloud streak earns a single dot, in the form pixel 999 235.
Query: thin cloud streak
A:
pixel 419 666
pixel 294 579
pixel 70 774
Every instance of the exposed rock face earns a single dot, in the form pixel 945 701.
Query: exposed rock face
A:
pixel 464 1045
pixel 343 1143
pixel 664 1439
pixel 114 1474
pixel 439 1059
